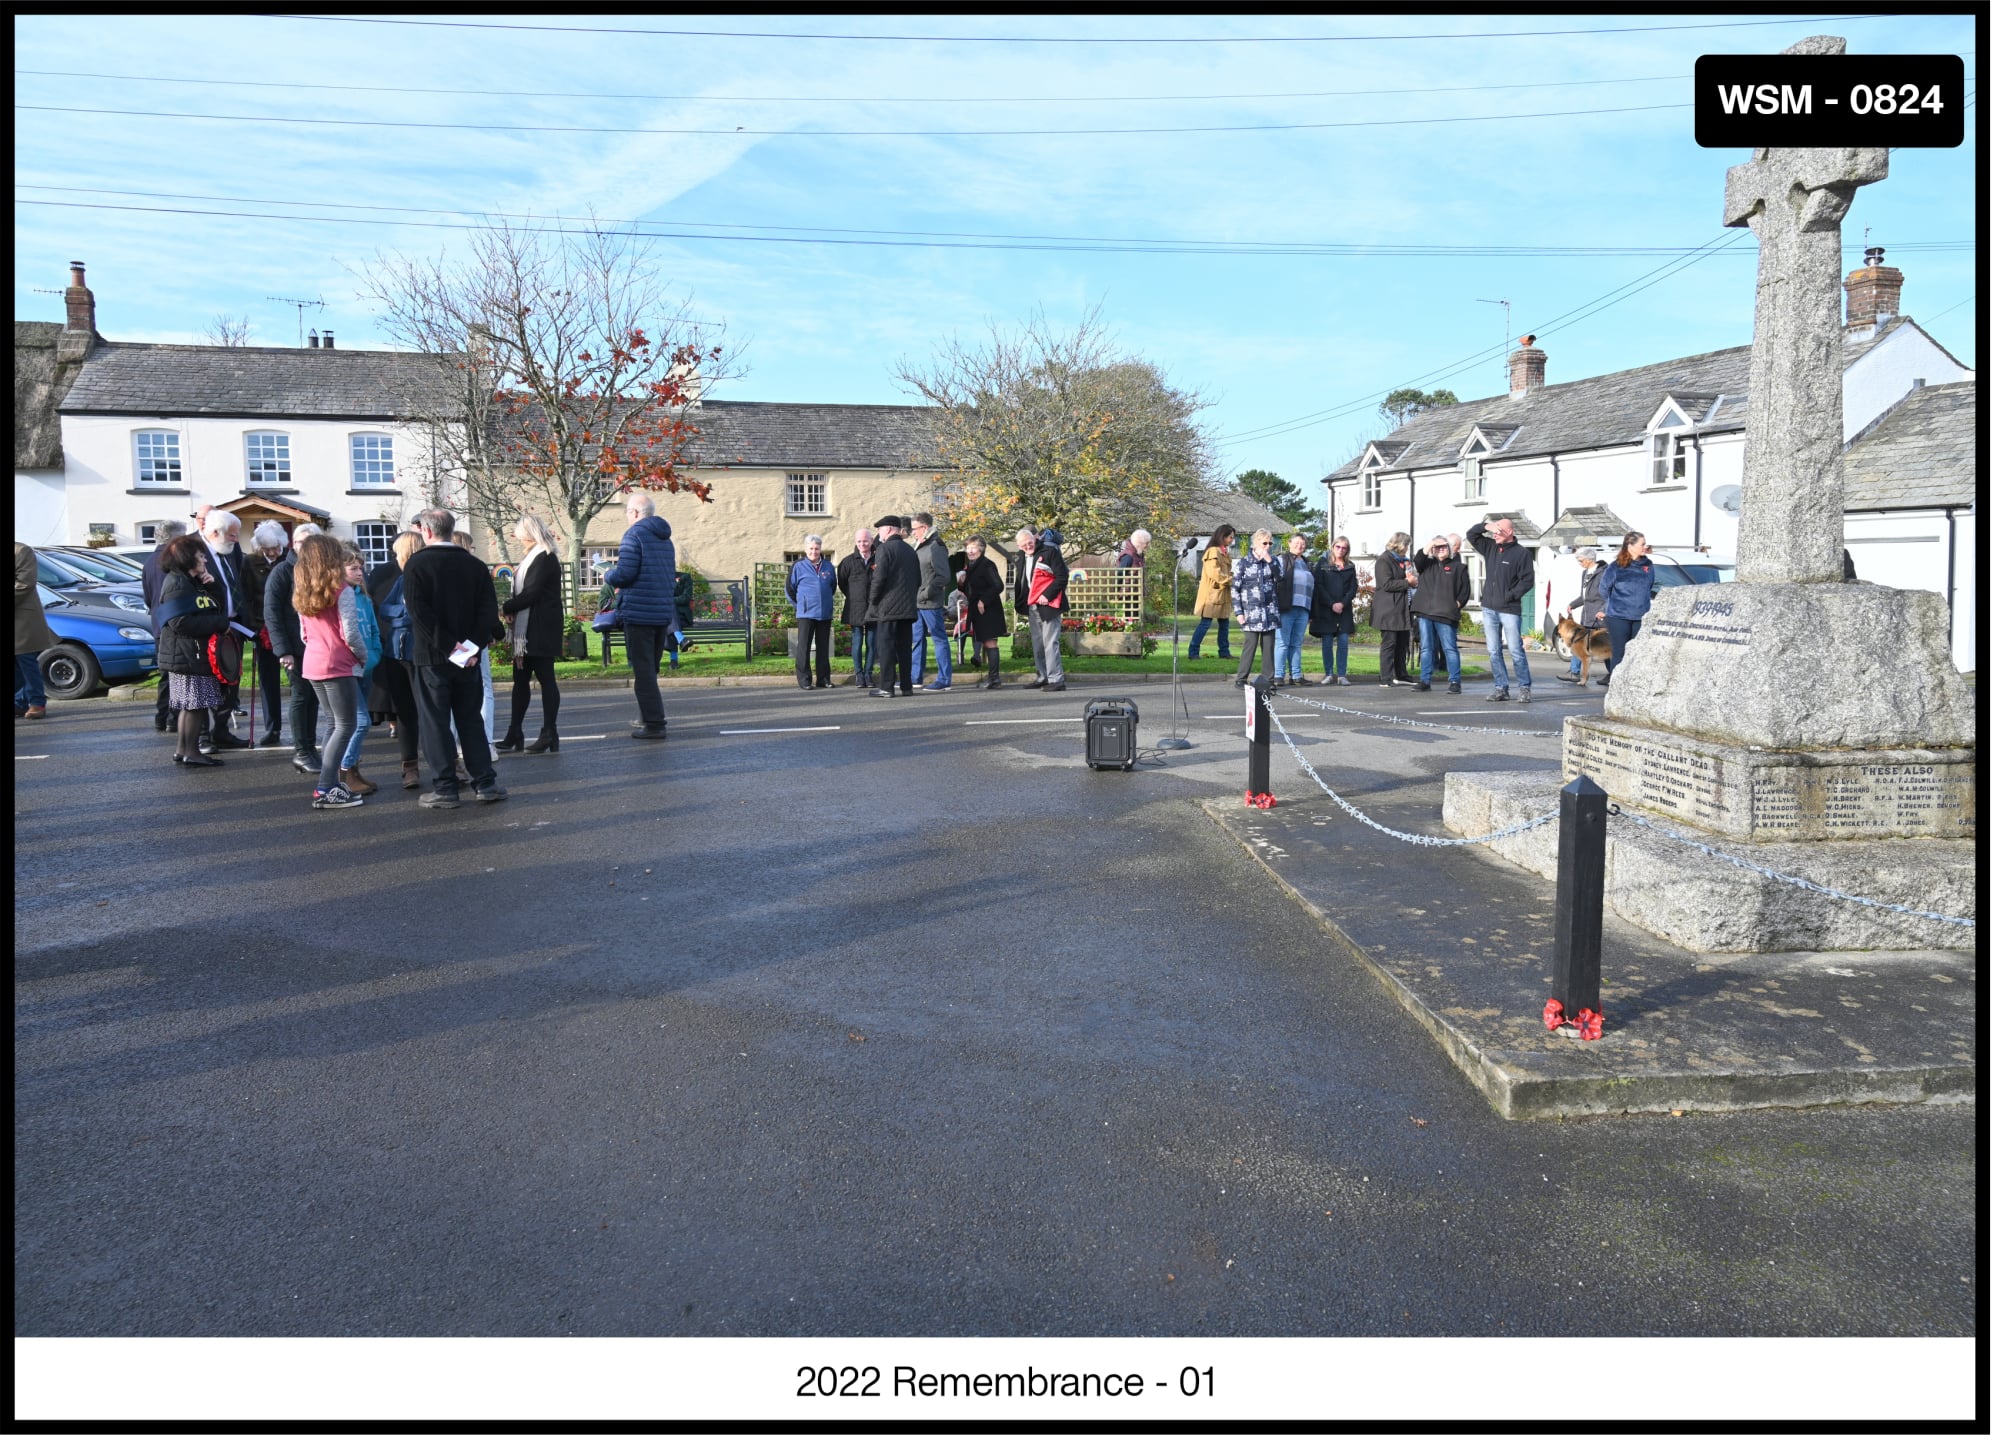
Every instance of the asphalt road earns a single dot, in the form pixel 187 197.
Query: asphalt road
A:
pixel 915 1027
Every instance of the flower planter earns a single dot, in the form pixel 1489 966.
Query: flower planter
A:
pixel 1109 645
pixel 576 646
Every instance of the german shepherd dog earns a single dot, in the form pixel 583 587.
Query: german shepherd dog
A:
pixel 1584 643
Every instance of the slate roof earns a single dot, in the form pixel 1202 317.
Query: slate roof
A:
pixel 1920 454
pixel 1591 525
pixel 1605 411
pixel 39 385
pixel 751 434
pixel 1240 511
pixel 207 379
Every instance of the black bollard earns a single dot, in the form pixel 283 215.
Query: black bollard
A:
pixel 1580 907
pixel 1257 727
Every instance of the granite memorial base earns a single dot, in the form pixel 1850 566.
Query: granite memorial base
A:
pixel 1703 904
pixel 1756 794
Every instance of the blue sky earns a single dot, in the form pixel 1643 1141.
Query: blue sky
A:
pixel 1272 340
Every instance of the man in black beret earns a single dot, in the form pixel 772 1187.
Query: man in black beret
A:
pixel 892 605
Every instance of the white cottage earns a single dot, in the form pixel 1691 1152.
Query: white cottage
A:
pixel 1658 449
pixel 154 431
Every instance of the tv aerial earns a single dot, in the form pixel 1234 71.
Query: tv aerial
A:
pixel 301 305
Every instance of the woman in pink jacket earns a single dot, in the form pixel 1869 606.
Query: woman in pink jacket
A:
pixel 336 653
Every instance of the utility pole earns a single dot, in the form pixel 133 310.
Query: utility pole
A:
pixel 301 305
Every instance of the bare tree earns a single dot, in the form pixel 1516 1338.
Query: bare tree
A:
pixel 228 331
pixel 1060 430
pixel 563 375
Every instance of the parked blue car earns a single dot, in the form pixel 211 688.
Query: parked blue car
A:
pixel 92 644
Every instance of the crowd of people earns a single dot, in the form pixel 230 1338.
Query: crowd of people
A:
pixel 409 642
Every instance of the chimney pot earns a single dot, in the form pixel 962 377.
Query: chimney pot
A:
pixel 79 329
pixel 1525 368
pixel 326 339
pixel 312 338
pixel 1874 292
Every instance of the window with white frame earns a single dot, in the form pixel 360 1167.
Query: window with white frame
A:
pixel 376 541
pixel 1472 462
pixel 1371 489
pixel 149 533
pixel 373 456
pixel 805 495
pixel 269 458
pixel 1670 457
pixel 159 457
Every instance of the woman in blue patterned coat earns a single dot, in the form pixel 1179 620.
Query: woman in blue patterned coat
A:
pixel 1253 596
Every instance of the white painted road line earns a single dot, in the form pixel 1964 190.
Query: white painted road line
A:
pixel 29 757
pixel 1007 722
pixel 587 737
pixel 745 731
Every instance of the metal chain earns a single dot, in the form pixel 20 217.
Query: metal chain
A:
pixel 1415 838
pixel 1412 722
pixel 1750 866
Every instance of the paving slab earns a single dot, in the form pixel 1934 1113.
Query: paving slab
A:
pixel 1463 941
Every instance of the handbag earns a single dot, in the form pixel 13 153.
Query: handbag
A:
pixel 607 619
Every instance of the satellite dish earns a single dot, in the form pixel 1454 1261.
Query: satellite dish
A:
pixel 1728 498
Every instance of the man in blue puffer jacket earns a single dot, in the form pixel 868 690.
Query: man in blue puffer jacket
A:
pixel 644 578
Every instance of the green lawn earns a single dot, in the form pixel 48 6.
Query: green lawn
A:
pixel 712 663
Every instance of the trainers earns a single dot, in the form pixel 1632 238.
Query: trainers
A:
pixel 1423 687
pixel 334 797
pixel 1453 688
pixel 1568 678
pixel 494 793
pixel 1601 682
pixel 1056 688
pixel 1498 695
pixel 652 734
pixel 1342 683
pixel 1524 695
pixel 438 800
pixel 937 687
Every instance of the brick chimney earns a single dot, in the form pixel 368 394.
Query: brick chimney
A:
pixel 79 330
pixel 1525 367
pixel 1874 292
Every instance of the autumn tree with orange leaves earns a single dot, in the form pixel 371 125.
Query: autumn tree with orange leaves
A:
pixel 563 374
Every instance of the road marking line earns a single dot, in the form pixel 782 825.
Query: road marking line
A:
pixel 1004 722
pixel 745 731
pixel 30 757
pixel 587 737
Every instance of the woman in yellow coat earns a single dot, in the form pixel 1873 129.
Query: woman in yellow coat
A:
pixel 1211 599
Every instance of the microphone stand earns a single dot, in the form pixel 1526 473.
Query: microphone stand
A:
pixel 1173 741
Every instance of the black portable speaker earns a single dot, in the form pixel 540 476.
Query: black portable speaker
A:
pixel 1111 733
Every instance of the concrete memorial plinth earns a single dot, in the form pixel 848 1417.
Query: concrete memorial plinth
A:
pixel 1792 721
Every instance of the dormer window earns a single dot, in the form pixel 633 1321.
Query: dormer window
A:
pixel 1371 482
pixel 1670 458
pixel 1472 461
pixel 1668 443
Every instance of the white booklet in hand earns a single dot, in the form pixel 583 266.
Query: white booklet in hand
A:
pixel 464 653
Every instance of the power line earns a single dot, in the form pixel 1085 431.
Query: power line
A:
pixel 906 239
pixel 1064 39
pixel 1588 309
pixel 849 134
pixel 849 99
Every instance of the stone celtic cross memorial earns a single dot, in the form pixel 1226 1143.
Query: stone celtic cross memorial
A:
pixel 1811 725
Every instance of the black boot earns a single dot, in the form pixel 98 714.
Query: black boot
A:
pixel 545 741
pixel 512 742
pixel 992 667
